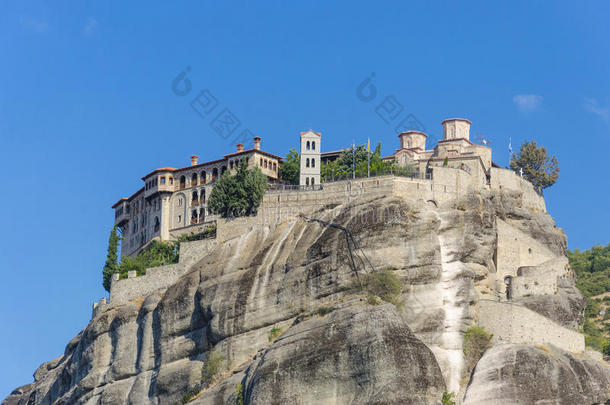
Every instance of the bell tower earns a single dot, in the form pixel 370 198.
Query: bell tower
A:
pixel 310 158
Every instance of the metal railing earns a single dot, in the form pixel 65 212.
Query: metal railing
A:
pixel 293 187
pixel 349 176
pixel 385 172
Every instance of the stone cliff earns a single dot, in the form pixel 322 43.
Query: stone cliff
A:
pixel 281 304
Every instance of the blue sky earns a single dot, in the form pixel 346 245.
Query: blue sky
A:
pixel 86 109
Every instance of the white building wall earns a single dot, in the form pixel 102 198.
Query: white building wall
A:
pixel 310 158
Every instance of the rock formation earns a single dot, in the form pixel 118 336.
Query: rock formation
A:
pixel 337 345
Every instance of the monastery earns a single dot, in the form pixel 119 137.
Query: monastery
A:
pixel 174 200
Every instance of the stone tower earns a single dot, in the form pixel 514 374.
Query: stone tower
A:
pixel 413 140
pixel 310 158
pixel 456 128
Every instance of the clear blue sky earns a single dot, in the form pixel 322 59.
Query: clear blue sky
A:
pixel 86 109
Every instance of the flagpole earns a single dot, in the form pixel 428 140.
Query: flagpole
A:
pixel 368 158
pixel 353 160
pixel 510 149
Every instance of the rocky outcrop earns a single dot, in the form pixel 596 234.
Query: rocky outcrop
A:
pixel 517 374
pixel 152 349
pixel 357 355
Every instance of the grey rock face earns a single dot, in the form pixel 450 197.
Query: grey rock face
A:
pixel 357 355
pixel 517 374
pixel 151 350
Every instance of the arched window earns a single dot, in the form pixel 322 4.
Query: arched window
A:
pixel 313 162
pixel 307 181
pixel 265 163
pixel 313 145
pixel 312 181
pixel 203 177
pixel 195 198
pixel 194 217
pixel 509 289
pixel 157 225
pixel 307 162
pixel 261 165
pixel 308 146
pixel 182 181
pixel 194 179
pixel 214 173
pixel 223 170
pixel 201 214
pixel 202 196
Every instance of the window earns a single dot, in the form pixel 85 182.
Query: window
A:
pixel 265 163
pixel 214 173
pixel 162 180
pixel 203 177
pixel 179 202
pixel 313 145
pixel 308 146
pixel 261 163
pixel 179 219
pixel 313 162
pixel 194 179
pixel 202 196
pixel 312 181
pixel 274 167
pixel 171 181
pixel 223 170
pixel 182 181
pixel 195 198
pixel 307 162
pixel 307 181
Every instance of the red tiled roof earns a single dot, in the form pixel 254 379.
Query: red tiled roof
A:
pixel 163 169
pixel 412 132
pixel 311 130
pixel 119 202
pixel 456 119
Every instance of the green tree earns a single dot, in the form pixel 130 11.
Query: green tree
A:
pixel 476 341
pixel 291 167
pixel 592 268
pixel 448 398
pixel 541 169
pixel 361 161
pixel 112 258
pixel 238 195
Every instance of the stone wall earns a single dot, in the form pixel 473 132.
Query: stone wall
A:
pixel 512 323
pixel 156 278
pixel 543 279
pixel 516 249
pixel 504 179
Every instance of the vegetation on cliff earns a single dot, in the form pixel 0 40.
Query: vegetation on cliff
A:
pixel 112 258
pixel 539 168
pixel 157 253
pixel 291 167
pixel 239 195
pixel 476 341
pixel 592 268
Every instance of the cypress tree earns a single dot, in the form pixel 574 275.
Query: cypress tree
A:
pixel 112 259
